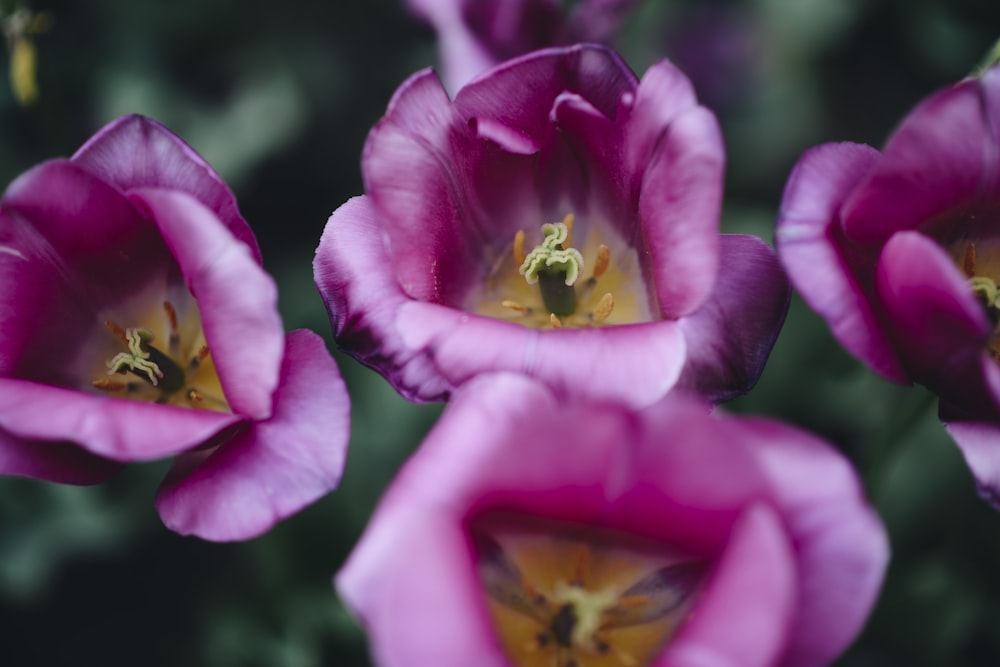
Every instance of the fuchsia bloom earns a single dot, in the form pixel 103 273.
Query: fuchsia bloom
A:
pixel 900 252
pixel 528 531
pixel 557 219
pixel 474 35
pixel 136 322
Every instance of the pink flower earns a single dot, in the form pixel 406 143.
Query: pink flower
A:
pixel 559 219
pixel 474 35
pixel 899 251
pixel 136 323
pixel 528 530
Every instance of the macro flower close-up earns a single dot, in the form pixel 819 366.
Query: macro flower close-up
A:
pixel 558 219
pixel 898 250
pixel 136 323
pixel 577 533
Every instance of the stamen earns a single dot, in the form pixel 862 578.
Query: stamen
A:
pixel 198 358
pixel 519 247
pixel 136 359
pixel 554 321
pixel 116 329
pixel 114 385
pixel 174 342
pixel 603 308
pixel 602 262
pixel 568 221
pixel 969 260
pixel 516 306
pixel 194 396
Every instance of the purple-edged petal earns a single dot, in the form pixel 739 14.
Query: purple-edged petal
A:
pixel 137 152
pixel 60 462
pixel 354 277
pixel 731 335
pixel 236 298
pixel 943 161
pixel 115 428
pixel 680 201
pixel 270 469
pixel 980 445
pixel 935 320
pixel 743 615
pixel 840 545
pixel 816 256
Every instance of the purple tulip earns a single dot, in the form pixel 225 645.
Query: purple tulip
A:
pixel 474 35
pixel 532 531
pixel 137 323
pixel 557 219
pixel 899 252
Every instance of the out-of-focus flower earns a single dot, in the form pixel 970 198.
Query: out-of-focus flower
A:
pixel 530 531
pixel 18 28
pixel 136 323
pixel 900 252
pixel 558 219
pixel 474 35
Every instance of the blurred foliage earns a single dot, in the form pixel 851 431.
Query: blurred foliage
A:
pixel 279 97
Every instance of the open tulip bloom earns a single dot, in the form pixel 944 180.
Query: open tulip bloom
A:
pixel 558 219
pixel 900 252
pixel 137 323
pixel 530 531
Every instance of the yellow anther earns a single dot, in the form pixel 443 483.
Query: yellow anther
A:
pixel 516 306
pixel 519 254
pixel 603 308
pixel 117 330
pixel 198 358
pixel 109 385
pixel 969 260
pixel 568 221
pixel 194 396
pixel 554 321
pixel 603 261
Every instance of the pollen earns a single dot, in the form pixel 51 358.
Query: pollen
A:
pixel 567 596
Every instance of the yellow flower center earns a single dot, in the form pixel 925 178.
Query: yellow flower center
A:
pixel 179 373
pixel 562 598
pixel 557 285
pixel 980 270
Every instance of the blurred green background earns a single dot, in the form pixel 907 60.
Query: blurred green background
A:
pixel 279 97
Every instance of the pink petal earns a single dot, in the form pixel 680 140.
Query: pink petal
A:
pixel 980 445
pixel 815 253
pixel 137 152
pixel 270 469
pixel 114 428
pixel 236 298
pixel 60 462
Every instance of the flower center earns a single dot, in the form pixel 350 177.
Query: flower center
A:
pixel 183 374
pixel 545 286
pixel 985 289
pixel 564 600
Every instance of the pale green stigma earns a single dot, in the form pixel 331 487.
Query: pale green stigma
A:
pixel 986 291
pixel 551 257
pixel 136 359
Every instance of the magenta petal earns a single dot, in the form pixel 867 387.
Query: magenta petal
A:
pixel 731 335
pixel 60 462
pixel 935 319
pixel 980 445
pixel 272 468
pixel 236 298
pixel 679 208
pixel 137 152
pixel 636 364
pixel 743 615
pixel 115 428
pixel 841 547
pixel 940 162
pixel 813 251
